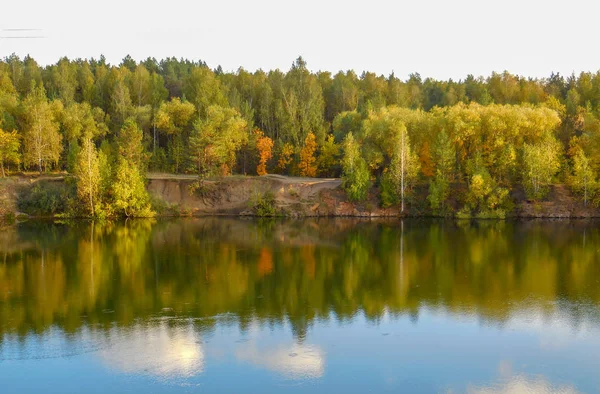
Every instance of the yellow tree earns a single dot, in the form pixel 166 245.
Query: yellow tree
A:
pixel 87 172
pixel 541 162
pixel 328 156
pixel 264 145
pixel 9 149
pixel 308 161
pixel 42 141
pixel 285 157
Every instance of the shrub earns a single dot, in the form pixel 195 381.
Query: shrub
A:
pixel 46 198
pixel 464 213
pixel 264 204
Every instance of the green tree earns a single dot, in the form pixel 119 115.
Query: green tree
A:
pixel 215 141
pixel 328 161
pixel 541 161
pixel 485 197
pixel 404 167
pixel 173 119
pixel 302 104
pixel 9 149
pixel 174 115
pixel 140 86
pixel 63 81
pixel 583 180
pixel 87 173
pixel 129 194
pixel 203 90
pixel 439 189
pixel 41 139
pixel 444 157
pixel 121 104
pixel 355 173
pixel 129 142
pixel 158 94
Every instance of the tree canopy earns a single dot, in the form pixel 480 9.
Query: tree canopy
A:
pixel 177 115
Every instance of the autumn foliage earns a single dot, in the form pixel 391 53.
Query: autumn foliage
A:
pixel 307 165
pixel 427 167
pixel 285 157
pixel 264 145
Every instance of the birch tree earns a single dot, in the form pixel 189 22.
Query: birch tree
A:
pixel 41 139
pixel 584 178
pixel 541 162
pixel 87 172
pixel 405 165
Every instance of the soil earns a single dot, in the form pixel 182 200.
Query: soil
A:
pixel 295 197
pixel 560 203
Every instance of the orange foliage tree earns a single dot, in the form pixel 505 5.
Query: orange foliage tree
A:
pixel 264 145
pixel 308 161
pixel 425 159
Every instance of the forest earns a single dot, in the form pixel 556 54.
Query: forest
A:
pixel 107 126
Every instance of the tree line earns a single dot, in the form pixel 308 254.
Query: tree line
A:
pixel 110 124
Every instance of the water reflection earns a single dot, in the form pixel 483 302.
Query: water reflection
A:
pixel 296 361
pixel 510 382
pixel 159 350
pixel 162 298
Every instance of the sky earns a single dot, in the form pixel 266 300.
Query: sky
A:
pixel 436 38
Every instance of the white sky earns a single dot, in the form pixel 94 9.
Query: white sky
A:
pixel 437 38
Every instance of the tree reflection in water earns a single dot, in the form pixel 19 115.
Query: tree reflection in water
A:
pixel 295 271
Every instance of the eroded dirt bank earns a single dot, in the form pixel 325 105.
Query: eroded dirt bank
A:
pixel 292 196
pixel 295 196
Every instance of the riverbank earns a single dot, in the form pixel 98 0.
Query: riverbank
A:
pixel 181 195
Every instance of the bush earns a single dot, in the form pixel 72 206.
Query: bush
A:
pixel 9 218
pixel 492 214
pixel 46 198
pixel 264 204
pixel 464 213
pixel 356 182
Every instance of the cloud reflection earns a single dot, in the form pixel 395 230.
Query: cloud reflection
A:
pixel 522 384
pixel 162 351
pixel 511 383
pixel 297 361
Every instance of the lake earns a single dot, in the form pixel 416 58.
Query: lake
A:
pixel 223 305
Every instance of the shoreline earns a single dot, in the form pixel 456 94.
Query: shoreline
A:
pixel 287 197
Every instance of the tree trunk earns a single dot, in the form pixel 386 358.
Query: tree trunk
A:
pixel 402 173
pixel 2 166
pixel 89 155
pixel 585 191
pixel 154 131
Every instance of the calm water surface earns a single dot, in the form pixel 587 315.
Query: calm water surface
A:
pixel 229 306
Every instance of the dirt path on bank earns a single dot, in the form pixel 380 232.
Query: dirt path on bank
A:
pixel 328 182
